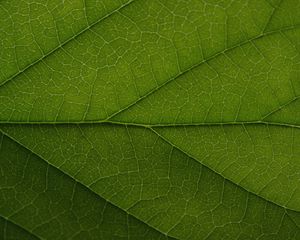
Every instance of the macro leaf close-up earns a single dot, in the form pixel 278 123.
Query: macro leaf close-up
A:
pixel 150 119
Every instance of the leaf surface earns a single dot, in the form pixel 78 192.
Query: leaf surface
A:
pixel 158 119
pixel 51 205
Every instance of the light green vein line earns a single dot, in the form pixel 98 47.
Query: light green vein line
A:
pixel 207 124
pixel 78 182
pixel 281 107
pixel 66 42
pixel 19 226
pixel 296 224
pixel 200 63
pixel 272 14
pixel 220 174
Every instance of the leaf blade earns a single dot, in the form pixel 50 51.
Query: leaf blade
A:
pixel 52 205
pixel 154 210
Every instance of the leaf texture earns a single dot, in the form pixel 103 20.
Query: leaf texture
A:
pixel 9 230
pixel 51 205
pixel 150 119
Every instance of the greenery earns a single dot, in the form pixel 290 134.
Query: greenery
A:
pixel 150 119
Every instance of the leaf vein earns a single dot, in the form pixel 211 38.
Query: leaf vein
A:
pixel 78 182
pixel 181 73
pixel 195 159
pixel 65 42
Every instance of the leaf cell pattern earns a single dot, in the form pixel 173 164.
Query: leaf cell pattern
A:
pixel 158 119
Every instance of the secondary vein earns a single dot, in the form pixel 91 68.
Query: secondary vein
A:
pixel 66 42
pixel 199 64
pixel 194 159
pixel 78 182
pixel 19 226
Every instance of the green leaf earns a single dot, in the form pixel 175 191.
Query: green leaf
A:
pixel 150 119
pixel 51 205
pixel 9 230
